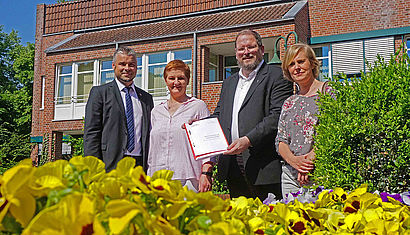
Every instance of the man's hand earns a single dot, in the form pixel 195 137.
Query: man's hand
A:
pixel 238 146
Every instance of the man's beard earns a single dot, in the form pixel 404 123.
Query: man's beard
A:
pixel 249 67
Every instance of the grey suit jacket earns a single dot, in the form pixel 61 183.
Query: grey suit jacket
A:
pixel 258 120
pixel 105 131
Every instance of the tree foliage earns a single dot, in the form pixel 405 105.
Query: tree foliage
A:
pixel 364 135
pixel 16 92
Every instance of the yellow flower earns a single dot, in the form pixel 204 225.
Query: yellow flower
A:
pixel 256 223
pixel 334 221
pixel 169 190
pixel 339 195
pixel 222 228
pixel 49 177
pixel 140 180
pixel 15 195
pixel 94 166
pixel 353 223
pixel 380 226
pixel 296 224
pixel 74 214
pixel 109 187
pixel 121 213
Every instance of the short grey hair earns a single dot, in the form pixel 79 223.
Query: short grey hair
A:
pixel 124 50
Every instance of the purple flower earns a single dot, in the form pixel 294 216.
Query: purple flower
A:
pixel 271 199
pixel 406 198
pixel 318 190
pixel 384 196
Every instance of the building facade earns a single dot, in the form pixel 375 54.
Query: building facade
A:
pixel 75 42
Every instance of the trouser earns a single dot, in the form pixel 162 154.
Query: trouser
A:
pixel 239 186
pixel 289 179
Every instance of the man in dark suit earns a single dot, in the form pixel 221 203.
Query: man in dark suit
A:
pixel 248 110
pixel 117 115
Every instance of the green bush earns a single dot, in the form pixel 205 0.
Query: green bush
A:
pixel 364 134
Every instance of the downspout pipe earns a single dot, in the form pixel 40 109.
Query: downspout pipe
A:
pixel 194 66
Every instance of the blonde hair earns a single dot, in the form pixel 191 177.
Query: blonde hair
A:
pixel 291 53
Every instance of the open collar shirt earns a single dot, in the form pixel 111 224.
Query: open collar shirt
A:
pixel 169 146
pixel 242 89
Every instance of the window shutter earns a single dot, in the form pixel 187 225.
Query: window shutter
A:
pixel 382 46
pixel 347 57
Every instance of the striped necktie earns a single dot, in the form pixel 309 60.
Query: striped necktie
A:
pixel 129 113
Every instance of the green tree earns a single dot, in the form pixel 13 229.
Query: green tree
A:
pixel 364 134
pixel 16 86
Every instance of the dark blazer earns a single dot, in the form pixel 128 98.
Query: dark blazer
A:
pixel 105 131
pixel 258 120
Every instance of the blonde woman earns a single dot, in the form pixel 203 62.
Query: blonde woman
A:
pixel 294 141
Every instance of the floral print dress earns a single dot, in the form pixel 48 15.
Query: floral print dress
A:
pixel 296 125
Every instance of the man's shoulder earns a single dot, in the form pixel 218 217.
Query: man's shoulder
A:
pixel 104 86
pixel 272 68
pixel 141 91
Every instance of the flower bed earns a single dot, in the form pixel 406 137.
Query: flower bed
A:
pixel 79 197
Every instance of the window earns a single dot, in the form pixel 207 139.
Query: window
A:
pixel 230 66
pixel 74 81
pixel 85 78
pixel 408 45
pixel 213 68
pixel 43 86
pixel 350 57
pixel 156 66
pixel 323 55
pixel 73 85
pixel 151 71
pixel 106 73
pixel 64 84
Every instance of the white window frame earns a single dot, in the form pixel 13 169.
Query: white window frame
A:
pixel 75 110
pixel 101 70
pixel 145 71
pixel 43 86
pixel 407 44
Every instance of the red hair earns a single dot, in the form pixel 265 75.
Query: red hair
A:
pixel 177 65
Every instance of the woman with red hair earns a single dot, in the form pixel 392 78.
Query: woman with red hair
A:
pixel 169 146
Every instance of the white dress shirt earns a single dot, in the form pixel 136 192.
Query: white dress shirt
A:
pixel 242 89
pixel 137 108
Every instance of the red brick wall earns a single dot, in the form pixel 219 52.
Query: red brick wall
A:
pixel 45 64
pixel 348 16
pixel 90 14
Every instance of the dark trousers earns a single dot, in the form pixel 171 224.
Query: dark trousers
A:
pixel 138 160
pixel 239 186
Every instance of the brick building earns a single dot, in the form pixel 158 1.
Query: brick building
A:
pixel 75 42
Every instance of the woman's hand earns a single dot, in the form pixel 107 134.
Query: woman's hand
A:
pixel 205 180
pixel 302 163
pixel 303 178
pixel 205 184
